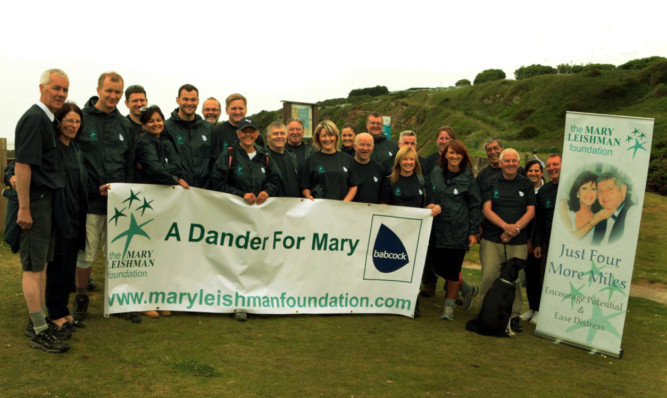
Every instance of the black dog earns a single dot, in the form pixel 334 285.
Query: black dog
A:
pixel 494 318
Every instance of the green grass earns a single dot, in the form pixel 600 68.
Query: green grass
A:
pixel 331 356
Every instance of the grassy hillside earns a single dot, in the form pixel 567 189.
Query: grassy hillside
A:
pixel 529 114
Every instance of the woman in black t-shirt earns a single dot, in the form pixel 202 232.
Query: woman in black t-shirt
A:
pixel 329 173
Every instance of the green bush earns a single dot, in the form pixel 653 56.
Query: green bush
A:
pixel 463 83
pixel 489 75
pixel 599 67
pixel 641 63
pixel 371 91
pixel 657 177
pixel 522 114
pixel 528 132
pixel 525 72
pixel 660 90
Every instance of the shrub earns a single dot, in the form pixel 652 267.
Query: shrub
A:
pixel 526 72
pixel 371 91
pixel 660 90
pixel 528 132
pixel 522 114
pixel 657 179
pixel 463 83
pixel 489 75
pixel 641 63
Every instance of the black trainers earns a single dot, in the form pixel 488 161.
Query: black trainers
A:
pixel 515 324
pixel 80 306
pixel 63 333
pixel 48 342
pixel 129 316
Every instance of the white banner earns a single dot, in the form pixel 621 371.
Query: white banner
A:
pixel 595 229
pixel 199 250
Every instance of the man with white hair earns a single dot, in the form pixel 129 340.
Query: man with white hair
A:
pixel 39 175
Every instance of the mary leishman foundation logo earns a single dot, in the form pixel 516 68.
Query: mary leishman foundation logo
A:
pixel 126 226
pixel 392 249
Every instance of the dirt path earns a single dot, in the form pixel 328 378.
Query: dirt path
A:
pixel 652 291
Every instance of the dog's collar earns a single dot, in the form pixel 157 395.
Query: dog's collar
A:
pixel 506 281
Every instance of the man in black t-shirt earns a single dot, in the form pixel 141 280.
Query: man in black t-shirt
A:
pixel 371 175
pixel 224 134
pixel 38 175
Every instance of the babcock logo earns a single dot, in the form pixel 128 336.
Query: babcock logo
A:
pixel 389 253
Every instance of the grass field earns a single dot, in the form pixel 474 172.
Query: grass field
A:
pixel 192 354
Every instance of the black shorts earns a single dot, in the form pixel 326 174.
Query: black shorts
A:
pixel 37 243
pixel 448 262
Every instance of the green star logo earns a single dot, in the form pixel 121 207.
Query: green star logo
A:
pixel 597 322
pixel 574 293
pixel 133 230
pixel 132 198
pixel 146 205
pixel 638 145
pixel 611 288
pixel 117 215
pixel 594 272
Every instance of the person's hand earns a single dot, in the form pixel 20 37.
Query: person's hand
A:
pixel 262 197
pixel 537 252
pixel 24 218
pixel 472 239
pixel 529 246
pixel 12 182
pixel 436 210
pixel 138 165
pixel 104 189
pixel 602 215
pixel 505 237
pixel 250 198
pixel 182 183
pixel 511 230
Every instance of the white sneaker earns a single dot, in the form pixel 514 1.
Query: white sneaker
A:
pixel 448 314
pixel 528 315
pixel 533 320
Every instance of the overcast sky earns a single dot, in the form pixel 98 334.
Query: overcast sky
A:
pixel 304 50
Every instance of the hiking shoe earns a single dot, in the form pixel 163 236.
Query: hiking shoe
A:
pixel 428 290
pixel 60 332
pixel 241 316
pixel 468 298
pixel 48 342
pixel 448 314
pixel 80 306
pixel 527 316
pixel 515 324
pixel 533 320
pixel 129 316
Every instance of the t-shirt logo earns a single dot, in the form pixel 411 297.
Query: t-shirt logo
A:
pixel 456 191
pixel 548 205
pixel 397 192
pixel 320 170
pixel 521 193
pixel 203 137
pixel 496 195
pixel 375 179
pixel 179 140
pixel 263 171
pixel 93 135
pixel 120 137
pixel 239 171
pixel 345 169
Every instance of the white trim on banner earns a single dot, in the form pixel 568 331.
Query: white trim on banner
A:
pixel 589 268
pixel 203 251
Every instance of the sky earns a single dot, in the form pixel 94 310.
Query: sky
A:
pixel 305 51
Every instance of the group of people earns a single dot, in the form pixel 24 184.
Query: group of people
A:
pixel 67 156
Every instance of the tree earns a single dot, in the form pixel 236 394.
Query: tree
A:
pixel 372 91
pixel 489 75
pixel 525 72
pixel 463 83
